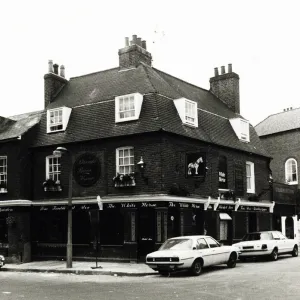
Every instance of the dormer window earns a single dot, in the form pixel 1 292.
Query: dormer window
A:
pixel 128 107
pixel 187 111
pixel 57 119
pixel 241 129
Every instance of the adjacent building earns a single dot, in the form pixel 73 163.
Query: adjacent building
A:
pixel 144 156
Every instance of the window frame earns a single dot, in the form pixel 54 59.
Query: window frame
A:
pixel 58 173
pixel 56 124
pixel 292 160
pixel 245 132
pixel 187 115
pixel 118 157
pixel 251 189
pixel 4 173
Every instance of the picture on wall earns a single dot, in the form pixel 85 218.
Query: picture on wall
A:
pixel 195 164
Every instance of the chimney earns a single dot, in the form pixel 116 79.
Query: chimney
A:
pixel 226 87
pixel 53 82
pixel 134 53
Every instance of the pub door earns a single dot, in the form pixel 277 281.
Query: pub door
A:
pixel 289 228
pixel 252 222
pixel 146 231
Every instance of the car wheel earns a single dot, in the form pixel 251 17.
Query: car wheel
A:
pixel 274 254
pixel 232 260
pixel 196 267
pixel 295 251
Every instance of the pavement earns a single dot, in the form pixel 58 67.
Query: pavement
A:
pixel 82 267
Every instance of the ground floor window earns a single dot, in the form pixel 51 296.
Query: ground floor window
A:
pixel 130 226
pixel 161 226
pixel 223 230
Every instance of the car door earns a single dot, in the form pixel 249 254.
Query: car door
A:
pixel 288 244
pixel 216 250
pixel 205 252
pixel 278 242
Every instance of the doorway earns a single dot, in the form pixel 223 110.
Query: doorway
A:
pixel 289 228
pixel 252 222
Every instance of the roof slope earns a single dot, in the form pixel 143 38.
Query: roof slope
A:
pixel 93 115
pixel 283 121
pixel 16 126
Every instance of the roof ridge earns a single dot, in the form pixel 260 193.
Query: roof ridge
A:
pixel 182 80
pixel 148 77
pixel 93 73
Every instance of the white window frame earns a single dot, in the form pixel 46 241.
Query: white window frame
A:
pixel 188 116
pixel 131 160
pixel 3 173
pixel 62 121
pixel 241 128
pixel 289 173
pixel 55 175
pixel 244 130
pixel 250 177
pixel 137 100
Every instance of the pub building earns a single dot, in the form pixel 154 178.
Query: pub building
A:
pixel 141 156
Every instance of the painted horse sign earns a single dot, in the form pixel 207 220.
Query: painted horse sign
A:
pixel 195 164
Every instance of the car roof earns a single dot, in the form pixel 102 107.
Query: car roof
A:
pixel 189 237
pixel 263 231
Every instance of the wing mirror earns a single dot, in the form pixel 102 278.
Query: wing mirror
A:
pixel 194 248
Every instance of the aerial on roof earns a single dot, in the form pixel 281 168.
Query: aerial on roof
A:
pixel 287 120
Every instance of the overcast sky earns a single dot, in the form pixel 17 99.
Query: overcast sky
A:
pixel 187 39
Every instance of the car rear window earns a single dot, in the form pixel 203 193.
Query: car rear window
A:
pixel 177 244
pixel 257 236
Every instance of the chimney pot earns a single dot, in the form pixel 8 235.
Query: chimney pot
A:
pixel 55 67
pixel 62 71
pixel 139 41
pixel 223 70
pixel 291 108
pixel 229 68
pixel 216 72
pixel 126 41
pixel 134 39
pixel 50 66
pixel 144 45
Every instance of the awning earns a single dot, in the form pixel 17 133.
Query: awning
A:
pixel 224 216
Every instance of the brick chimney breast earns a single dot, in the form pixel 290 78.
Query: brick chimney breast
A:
pixel 134 53
pixel 53 83
pixel 226 87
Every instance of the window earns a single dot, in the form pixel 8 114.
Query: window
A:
pixel 190 112
pixel 250 177
pixel 125 160
pixel 241 128
pixel 57 119
pixel 3 170
pixel 201 244
pixel 291 171
pixel 128 107
pixel 212 243
pixel 53 167
pixel 187 111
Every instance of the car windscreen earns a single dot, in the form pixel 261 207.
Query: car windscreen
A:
pixel 257 236
pixel 177 244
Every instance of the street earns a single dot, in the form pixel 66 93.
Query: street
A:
pixel 250 280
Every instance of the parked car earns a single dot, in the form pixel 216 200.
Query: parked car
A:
pixel 266 243
pixel 2 261
pixel 191 253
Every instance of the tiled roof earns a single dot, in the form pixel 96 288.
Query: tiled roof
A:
pixel 284 121
pixel 91 98
pixel 16 126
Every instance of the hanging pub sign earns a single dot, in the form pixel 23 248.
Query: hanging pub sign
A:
pixel 195 164
pixel 86 169
pixel 239 180
pixel 222 172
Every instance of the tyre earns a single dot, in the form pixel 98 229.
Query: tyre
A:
pixel 196 267
pixel 274 254
pixel 295 251
pixel 232 260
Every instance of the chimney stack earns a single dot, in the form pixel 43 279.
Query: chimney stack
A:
pixel 134 53
pixel 53 82
pixel 226 87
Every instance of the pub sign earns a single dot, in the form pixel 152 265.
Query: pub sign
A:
pixel 195 164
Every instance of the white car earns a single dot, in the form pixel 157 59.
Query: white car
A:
pixel 2 261
pixel 266 243
pixel 191 253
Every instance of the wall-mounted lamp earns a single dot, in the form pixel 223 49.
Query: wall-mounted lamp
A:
pixel 142 165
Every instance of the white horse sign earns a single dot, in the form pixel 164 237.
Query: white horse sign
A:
pixel 195 164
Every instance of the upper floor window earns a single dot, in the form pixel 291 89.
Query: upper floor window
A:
pixel 128 107
pixel 3 171
pixel 250 177
pixel 187 111
pixel 241 129
pixel 53 167
pixel 57 119
pixel 125 160
pixel 291 171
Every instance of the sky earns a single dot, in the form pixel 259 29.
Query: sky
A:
pixel 187 39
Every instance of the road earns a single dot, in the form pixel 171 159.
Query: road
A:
pixel 250 280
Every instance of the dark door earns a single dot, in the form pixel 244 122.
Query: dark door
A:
pixel 146 240
pixel 252 222
pixel 289 228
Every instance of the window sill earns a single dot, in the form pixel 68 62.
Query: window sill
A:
pixel 292 183
pixel 250 191
pixel 52 189
pixel 3 191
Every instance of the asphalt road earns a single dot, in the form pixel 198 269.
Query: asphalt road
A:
pixel 250 280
